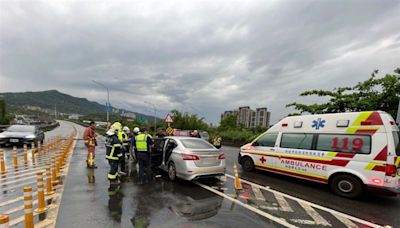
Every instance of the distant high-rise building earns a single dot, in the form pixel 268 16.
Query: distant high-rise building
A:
pixel 249 118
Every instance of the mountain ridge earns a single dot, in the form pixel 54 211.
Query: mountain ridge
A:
pixel 64 103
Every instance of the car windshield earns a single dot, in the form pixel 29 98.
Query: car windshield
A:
pixel 21 128
pixel 196 144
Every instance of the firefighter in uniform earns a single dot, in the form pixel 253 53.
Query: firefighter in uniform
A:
pixel 143 143
pixel 113 152
pixel 89 137
pixel 123 138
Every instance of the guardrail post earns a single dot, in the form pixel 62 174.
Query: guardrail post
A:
pixel 25 154
pixel 39 148
pixel 15 157
pixel 54 180
pixel 28 207
pixel 49 186
pixel 4 221
pixel 2 163
pixel 40 194
pixel 33 151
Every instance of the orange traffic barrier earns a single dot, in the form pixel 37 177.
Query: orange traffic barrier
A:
pixel 15 157
pixel 238 185
pixel 33 151
pixel 2 163
pixel 4 221
pixel 28 207
pixel 39 148
pixel 25 154
pixel 54 180
pixel 40 194
pixel 49 186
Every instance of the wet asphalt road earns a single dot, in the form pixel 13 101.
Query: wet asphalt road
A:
pixel 372 207
pixel 87 202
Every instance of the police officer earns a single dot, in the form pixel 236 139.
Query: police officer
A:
pixel 123 138
pixel 143 143
pixel 113 152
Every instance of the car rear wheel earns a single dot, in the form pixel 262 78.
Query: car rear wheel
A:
pixel 247 164
pixel 172 171
pixel 347 186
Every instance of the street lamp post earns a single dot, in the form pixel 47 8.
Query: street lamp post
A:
pixel 108 100
pixel 155 113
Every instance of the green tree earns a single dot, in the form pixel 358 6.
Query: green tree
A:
pixel 4 119
pixel 187 121
pixel 373 94
pixel 229 122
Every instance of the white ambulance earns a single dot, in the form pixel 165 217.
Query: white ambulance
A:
pixel 349 151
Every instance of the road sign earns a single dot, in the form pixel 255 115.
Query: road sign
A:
pixel 168 119
pixel 170 130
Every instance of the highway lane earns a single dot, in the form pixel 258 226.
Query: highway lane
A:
pixel 86 201
pixel 13 181
pixel 372 207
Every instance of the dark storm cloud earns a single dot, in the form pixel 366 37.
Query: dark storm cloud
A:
pixel 203 57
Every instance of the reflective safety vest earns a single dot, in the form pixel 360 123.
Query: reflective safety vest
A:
pixel 217 141
pixel 141 142
pixel 113 148
pixel 123 137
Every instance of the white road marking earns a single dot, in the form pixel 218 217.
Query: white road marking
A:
pixel 318 219
pixel 257 192
pixel 284 205
pixel 304 221
pixel 346 221
pixel 281 221
pixel 329 210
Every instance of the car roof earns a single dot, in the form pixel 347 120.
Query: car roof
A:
pixel 182 137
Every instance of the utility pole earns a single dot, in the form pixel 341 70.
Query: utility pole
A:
pixel 108 100
pixel 155 113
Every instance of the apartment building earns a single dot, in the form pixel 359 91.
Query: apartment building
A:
pixel 250 118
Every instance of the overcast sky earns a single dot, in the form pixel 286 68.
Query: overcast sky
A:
pixel 202 57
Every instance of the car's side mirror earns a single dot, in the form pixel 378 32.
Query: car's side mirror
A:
pixel 255 144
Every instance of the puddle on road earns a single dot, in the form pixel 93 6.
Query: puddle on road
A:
pixel 163 203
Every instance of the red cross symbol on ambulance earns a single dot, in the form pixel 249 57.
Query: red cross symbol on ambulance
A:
pixel 262 159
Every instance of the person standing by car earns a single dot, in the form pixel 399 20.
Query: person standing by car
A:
pixel 113 152
pixel 216 141
pixel 123 138
pixel 143 144
pixel 195 134
pixel 89 137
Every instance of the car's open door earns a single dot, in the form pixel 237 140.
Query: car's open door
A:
pixel 158 151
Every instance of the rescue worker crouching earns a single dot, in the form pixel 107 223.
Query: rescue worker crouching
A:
pixel 143 143
pixel 113 152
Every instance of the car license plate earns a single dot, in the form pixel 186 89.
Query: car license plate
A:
pixel 14 140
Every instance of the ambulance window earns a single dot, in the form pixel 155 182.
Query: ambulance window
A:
pixel 360 144
pixel 268 139
pixel 297 141
pixel 396 137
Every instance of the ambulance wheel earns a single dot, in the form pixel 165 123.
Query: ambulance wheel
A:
pixel 171 171
pixel 247 164
pixel 347 186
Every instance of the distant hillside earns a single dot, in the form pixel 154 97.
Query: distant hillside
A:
pixel 47 100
